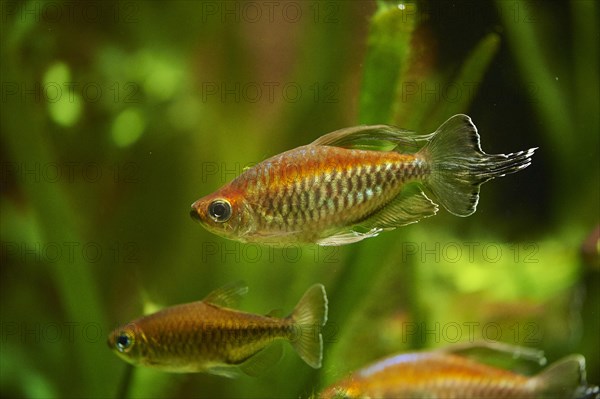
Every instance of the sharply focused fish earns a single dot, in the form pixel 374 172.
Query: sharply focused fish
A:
pixel 443 375
pixel 207 336
pixel 344 187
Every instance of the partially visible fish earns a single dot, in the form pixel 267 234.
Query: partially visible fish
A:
pixel 207 336
pixel 343 187
pixel 444 375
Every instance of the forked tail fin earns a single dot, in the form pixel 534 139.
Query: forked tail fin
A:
pixel 309 315
pixel 459 166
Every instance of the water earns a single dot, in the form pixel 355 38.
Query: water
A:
pixel 117 116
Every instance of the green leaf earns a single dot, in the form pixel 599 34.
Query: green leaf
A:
pixel 388 50
pixel 545 91
pixel 461 92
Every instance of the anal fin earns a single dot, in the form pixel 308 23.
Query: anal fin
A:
pixel 227 371
pixel 410 206
pixel 257 364
pixel 347 237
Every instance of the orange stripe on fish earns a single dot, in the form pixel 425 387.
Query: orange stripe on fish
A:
pixel 438 374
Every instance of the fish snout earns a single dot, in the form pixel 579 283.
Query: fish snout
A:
pixel 110 341
pixel 194 215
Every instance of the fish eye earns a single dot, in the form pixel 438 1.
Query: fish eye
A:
pixel 219 210
pixel 124 342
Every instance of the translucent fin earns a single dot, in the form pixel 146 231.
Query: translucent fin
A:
pixel 459 166
pixel 257 364
pixel 228 295
pixel 225 371
pixel 309 315
pixel 347 237
pixel 561 379
pixel 410 206
pixel 374 137
pixel 502 348
pixel 587 392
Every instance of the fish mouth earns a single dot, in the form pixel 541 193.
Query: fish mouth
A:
pixel 194 215
pixel 110 341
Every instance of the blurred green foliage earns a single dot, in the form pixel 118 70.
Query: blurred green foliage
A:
pixel 116 116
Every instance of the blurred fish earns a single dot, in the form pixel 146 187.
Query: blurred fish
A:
pixel 207 336
pixel 440 374
pixel 344 187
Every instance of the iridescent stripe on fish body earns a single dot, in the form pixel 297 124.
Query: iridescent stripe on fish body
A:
pixel 439 374
pixel 313 188
pixel 184 334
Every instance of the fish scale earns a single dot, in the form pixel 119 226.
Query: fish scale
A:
pixel 350 183
pixel 195 338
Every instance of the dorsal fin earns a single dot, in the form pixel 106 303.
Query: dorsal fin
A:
pixel 374 137
pixel 227 296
